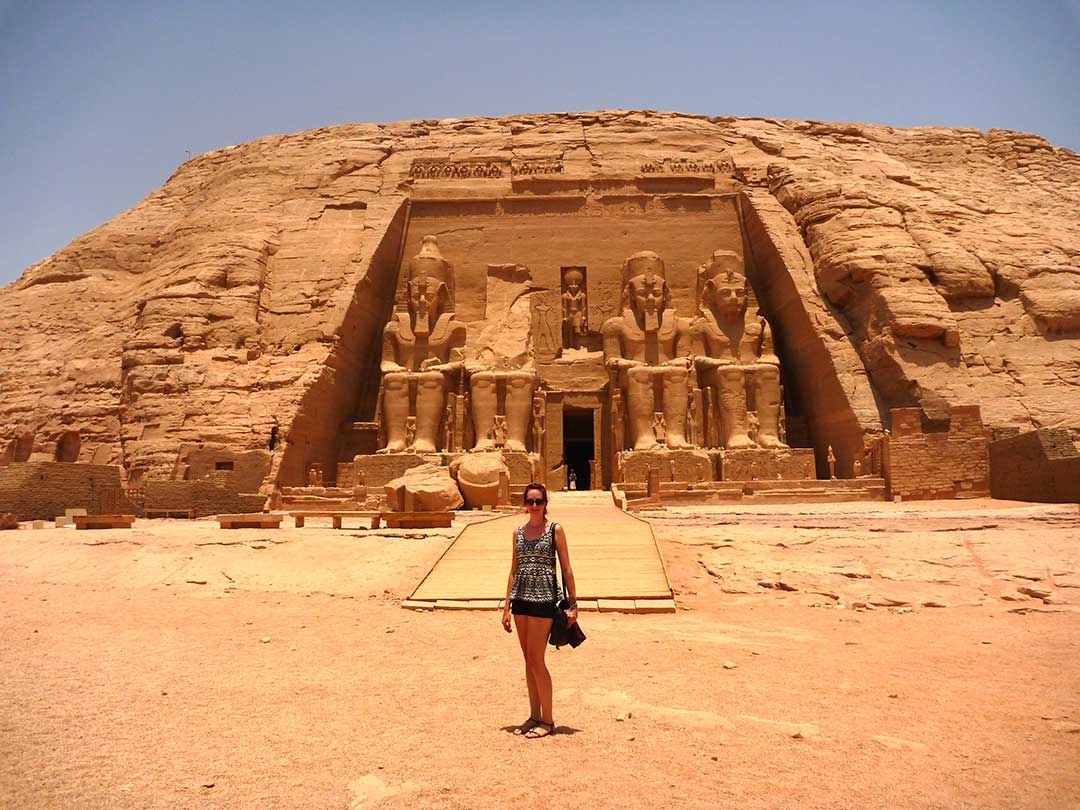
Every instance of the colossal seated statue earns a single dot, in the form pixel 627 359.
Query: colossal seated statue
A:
pixel 646 349
pixel 733 351
pixel 421 350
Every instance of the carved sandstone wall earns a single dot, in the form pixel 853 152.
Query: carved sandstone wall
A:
pixel 238 306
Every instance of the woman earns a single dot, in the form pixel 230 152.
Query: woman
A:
pixel 531 596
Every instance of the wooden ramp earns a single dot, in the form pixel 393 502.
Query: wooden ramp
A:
pixel 616 561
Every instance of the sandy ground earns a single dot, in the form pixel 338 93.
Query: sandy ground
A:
pixel 840 656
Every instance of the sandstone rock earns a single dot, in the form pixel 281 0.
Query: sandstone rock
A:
pixel 427 488
pixel 480 476
pixel 239 305
pixel 1034 593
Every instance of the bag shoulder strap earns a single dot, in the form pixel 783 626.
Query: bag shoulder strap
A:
pixel 558 566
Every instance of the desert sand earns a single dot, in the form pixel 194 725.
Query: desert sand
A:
pixel 835 656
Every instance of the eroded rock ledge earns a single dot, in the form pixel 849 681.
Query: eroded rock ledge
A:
pixel 937 267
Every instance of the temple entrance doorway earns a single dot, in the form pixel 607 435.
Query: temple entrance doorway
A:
pixel 578 447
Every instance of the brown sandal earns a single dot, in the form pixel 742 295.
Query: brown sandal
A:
pixel 526 727
pixel 540 730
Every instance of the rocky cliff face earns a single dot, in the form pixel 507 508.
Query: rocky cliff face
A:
pixel 941 265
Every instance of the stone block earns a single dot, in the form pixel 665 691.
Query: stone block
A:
pixel 479 476
pixel 616 605
pixel 759 464
pixel 104 521
pixel 380 469
pixel 671 465
pixel 454 604
pixel 418 520
pixel 428 488
pixel 654 605
pixel 255 520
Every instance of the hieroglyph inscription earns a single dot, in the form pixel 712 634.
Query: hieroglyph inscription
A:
pixel 434 169
pixel 679 165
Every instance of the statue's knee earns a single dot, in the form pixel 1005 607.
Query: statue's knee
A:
pixel 395 382
pixel 675 376
pixel 431 380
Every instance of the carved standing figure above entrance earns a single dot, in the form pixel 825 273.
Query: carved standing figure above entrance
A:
pixel 575 308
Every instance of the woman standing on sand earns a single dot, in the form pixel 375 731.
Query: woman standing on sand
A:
pixel 531 594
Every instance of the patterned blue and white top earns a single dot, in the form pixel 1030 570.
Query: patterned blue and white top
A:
pixel 534 579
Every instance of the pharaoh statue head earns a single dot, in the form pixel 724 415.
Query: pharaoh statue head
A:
pixel 573 279
pixel 722 285
pixel 645 290
pixel 429 287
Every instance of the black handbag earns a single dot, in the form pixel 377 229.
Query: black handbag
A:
pixel 562 631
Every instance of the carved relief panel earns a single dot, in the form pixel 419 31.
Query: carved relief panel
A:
pixel 546 310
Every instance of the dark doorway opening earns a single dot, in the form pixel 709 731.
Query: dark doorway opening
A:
pixel 578 448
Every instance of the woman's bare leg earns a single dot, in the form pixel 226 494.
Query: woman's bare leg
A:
pixel 522 625
pixel 536 640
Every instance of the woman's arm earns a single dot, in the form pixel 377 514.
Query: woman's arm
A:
pixel 567 571
pixel 510 582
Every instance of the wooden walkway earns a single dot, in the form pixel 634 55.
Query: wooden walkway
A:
pixel 616 561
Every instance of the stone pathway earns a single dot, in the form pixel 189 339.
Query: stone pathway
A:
pixel 615 557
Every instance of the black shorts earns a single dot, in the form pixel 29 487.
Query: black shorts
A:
pixel 541 610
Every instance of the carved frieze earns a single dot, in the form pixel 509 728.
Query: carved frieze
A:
pixel 539 166
pixel 683 165
pixel 471 168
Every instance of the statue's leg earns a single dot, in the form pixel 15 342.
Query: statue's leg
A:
pixel 767 402
pixel 430 399
pixel 519 394
pixel 639 406
pixel 484 402
pixel 675 406
pixel 395 410
pixel 732 390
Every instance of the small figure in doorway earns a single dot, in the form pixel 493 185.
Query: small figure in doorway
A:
pixel 573 480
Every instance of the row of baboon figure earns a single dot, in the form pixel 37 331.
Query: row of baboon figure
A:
pixel 654 358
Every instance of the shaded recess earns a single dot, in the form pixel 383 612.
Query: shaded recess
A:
pixel 348 385
pixel 22 447
pixel 67 449
pixel 579 446
pixel 812 387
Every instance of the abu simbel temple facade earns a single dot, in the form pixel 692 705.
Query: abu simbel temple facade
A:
pixel 682 308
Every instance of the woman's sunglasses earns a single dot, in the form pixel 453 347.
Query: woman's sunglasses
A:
pixel 535 501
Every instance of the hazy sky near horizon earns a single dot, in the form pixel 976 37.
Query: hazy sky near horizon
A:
pixel 100 102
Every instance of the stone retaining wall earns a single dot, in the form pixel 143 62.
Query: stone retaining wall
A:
pixel 1041 465
pixel 41 490
pixel 947 458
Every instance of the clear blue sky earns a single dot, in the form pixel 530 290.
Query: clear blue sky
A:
pixel 101 101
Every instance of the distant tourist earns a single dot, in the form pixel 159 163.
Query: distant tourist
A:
pixel 531 594
pixel 573 480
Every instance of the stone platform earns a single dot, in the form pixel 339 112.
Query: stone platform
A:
pixel 682 493
pixel 616 560
pixel 783 464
